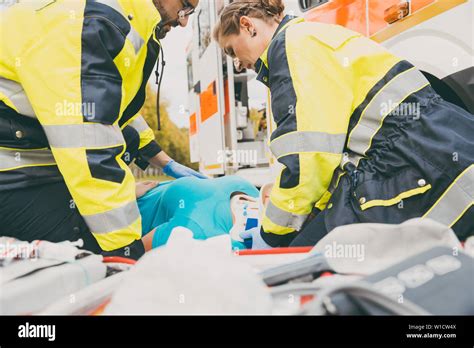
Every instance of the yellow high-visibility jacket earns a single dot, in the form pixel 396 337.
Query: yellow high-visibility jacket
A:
pixel 318 74
pixel 362 136
pixel 79 70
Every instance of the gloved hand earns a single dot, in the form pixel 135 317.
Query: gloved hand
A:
pixel 257 241
pixel 176 170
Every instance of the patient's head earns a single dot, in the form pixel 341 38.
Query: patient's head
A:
pixel 265 194
pixel 240 202
pixel 245 214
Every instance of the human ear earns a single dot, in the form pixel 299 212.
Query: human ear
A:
pixel 247 25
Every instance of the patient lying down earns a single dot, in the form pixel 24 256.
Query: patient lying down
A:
pixel 208 208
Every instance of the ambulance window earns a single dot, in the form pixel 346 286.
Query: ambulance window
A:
pixel 189 64
pixel 305 5
pixel 204 26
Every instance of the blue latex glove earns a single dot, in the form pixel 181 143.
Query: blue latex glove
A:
pixel 176 170
pixel 257 241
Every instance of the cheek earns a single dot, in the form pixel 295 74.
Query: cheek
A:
pixel 243 48
pixel 252 50
pixel 255 50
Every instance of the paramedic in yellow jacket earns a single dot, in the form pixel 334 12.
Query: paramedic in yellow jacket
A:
pixel 73 75
pixel 362 135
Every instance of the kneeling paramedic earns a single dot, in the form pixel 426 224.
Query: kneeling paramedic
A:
pixel 362 135
pixel 73 76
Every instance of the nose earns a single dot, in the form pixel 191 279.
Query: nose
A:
pixel 238 65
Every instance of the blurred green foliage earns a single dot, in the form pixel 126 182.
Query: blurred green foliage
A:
pixel 172 139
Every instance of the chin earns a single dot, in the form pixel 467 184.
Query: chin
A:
pixel 161 35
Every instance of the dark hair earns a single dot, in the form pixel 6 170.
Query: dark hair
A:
pixel 233 194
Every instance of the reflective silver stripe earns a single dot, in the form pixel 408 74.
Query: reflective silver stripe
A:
pixel 139 124
pixel 355 158
pixel 388 99
pixel 284 218
pixel 15 93
pixel 455 200
pixel 10 159
pixel 350 158
pixel 113 220
pixel 136 40
pixel 335 180
pixel 87 135
pixel 133 36
pixel 296 142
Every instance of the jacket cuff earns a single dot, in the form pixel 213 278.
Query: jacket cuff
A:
pixel 146 153
pixel 277 240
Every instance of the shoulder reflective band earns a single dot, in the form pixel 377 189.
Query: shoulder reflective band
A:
pixel 17 96
pixel 139 124
pixel 338 172
pixel 350 158
pixel 383 103
pixel 113 220
pixel 133 36
pixel 284 218
pixel 13 159
pixel 455 201
pixel 136 40
pixel 88 135
pixel 296 142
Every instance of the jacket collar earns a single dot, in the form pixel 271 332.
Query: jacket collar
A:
pixel 286 21
pixel 144 16
pixel 261 66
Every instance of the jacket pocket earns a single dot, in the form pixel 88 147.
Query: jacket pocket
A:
pixel 21 132
pixel 6 131
pixel 392 190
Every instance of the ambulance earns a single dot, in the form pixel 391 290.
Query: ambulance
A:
pixel 230 113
